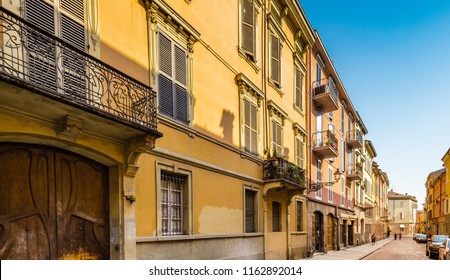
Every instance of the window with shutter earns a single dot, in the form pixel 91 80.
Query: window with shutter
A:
pixel 275 66
pixel 276 138
pixel 248 28
pixel 172 80
pixel 250 127
pixel 64 19
pixel 298 88
pixel 319 175
pixel 299 152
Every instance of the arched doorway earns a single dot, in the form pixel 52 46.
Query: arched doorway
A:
pixel 318 230
pixel 54 204
pixel 331 232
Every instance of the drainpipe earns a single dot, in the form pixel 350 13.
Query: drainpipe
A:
pixel 264 90
pixel 309 125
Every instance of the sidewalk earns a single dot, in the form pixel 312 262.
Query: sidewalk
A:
pixel 352 253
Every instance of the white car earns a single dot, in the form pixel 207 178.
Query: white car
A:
pixel 444 250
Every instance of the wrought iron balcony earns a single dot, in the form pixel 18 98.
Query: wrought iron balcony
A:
pixel 354 139
pixel 325 144
pixel 326 96
pixel 35 60
pixel 279 169
pixel 354 172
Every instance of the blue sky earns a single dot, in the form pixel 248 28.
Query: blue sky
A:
pixel 393 58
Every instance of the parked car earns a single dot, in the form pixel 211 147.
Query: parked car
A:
pixel 444 250
pixel 421 238
pixel 432 248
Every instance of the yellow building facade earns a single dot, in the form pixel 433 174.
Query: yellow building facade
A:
pixel 167 129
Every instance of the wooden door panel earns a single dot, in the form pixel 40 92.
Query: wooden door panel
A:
pixel 25 208
pixel 52 204
pixel 83 225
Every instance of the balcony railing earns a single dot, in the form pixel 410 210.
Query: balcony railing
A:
pixel 325 144
pixel 281 169
pixel 354 139
pixel 354 171
pixel 326 95
pixel 33 59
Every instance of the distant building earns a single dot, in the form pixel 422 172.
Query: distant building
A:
pixel 402 213
pixel 446 209
pixel 435 219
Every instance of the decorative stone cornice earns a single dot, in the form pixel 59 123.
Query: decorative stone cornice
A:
pixel 247 87
pixel 275 110
pixel 299 131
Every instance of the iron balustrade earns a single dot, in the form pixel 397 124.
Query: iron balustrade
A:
pixel 38 61
pixel 354 135
pixel 355 169
pixel 327 88
pixel 325 139
pixel 281 169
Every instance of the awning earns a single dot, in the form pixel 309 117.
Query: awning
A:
pixel 402 226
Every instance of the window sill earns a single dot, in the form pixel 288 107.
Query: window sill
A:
pixel 277 88
pixel 250 61
pixel 299 110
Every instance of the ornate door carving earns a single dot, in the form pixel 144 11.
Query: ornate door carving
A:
pixel 53 204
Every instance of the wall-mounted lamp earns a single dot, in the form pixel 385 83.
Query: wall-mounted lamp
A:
pixel 317 186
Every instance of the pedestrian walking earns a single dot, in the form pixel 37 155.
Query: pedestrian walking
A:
pixel 374 238
pixel 400 236
pixel 395 236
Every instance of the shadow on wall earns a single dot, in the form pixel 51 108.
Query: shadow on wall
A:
pixel 227 125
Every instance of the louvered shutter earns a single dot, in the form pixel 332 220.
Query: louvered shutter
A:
pixel 172 80
pixel 165 86
pixel 247 122
pixel 298 88
pixel 276 138
pixel 73 32
pixel 254 128
pixel 248 27
pixel 181 98
pixel 250 127
pixel 42 51
pixel 275 59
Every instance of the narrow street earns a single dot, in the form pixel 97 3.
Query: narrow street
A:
pixel 385 249
pixel 405 249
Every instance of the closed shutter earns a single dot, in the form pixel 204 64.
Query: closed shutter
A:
pixel 42 71
pixel 298 88
pixel 68 24
pixel 299 146
pixel 250 127
pixel 275 59
pixel 247 121
pixel 254 129
pixel 276 138
pixel 172 80
pixel 248 28
pixel 73 32
pixel 165 88
pixel 181 98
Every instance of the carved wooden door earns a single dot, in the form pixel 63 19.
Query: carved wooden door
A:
pixel 53 204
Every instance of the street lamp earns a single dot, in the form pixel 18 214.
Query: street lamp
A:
pixel 313 187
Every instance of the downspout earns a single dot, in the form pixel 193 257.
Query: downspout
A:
pixel 309 145
pixel 264 90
